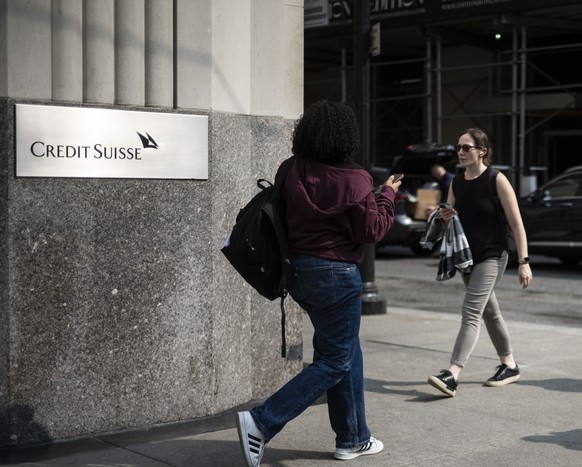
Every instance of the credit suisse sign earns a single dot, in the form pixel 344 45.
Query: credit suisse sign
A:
pixel 54 141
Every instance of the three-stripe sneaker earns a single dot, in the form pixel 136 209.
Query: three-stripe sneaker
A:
pixel 373 446
pixel 252 441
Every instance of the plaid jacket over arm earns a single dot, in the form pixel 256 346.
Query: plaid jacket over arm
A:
pixel 455 253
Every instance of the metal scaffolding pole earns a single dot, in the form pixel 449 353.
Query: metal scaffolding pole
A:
pixel 514 110
pixel 522 109
pixel 428 100
pixel 439 90
pixel 343 75
pixel 372 301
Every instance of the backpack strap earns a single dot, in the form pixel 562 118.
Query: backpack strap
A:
pixel 494 195
pixel 279 180
pixel 493 184
pixel 455 182
pixel 509 240
pixel 283 171
pixel 283 340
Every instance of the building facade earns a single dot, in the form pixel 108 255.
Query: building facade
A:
pixel 117 309
pixel 437 67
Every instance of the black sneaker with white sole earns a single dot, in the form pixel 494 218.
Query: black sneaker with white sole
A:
pixel 252 441
pixel 504 375
pixel 444 382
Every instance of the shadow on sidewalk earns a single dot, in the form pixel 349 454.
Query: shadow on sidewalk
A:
pixel 401 388
pixel 568 439
pixel 556 384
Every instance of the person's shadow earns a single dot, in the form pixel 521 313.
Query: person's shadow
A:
pixel 18 430
pixel 555 384
pixel 18 427
pixel 403 388
pixel 568 439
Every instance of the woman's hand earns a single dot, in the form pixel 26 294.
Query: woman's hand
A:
pixel 447 214
pixel 392 184
pixel 524 275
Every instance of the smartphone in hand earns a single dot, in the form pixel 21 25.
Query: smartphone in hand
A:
pixel 446 206
pixel 395 178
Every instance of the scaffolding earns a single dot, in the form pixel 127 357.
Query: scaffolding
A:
pixel 529 107
pixel 507 92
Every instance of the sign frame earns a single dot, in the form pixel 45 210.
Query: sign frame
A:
pixel 54 141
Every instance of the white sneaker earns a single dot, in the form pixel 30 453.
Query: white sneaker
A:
pixel 373 446
pixel 252 441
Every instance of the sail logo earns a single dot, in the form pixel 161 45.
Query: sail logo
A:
pixel 147 141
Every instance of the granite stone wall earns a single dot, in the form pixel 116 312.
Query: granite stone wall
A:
pixel 117 309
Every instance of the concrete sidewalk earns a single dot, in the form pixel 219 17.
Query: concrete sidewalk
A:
pixel 536 422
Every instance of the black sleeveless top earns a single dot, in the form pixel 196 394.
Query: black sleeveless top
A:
pixel 483 227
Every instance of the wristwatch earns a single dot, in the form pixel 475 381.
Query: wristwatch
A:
pixel 524 260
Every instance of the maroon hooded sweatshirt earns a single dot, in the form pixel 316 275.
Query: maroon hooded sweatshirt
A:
pixel 331 211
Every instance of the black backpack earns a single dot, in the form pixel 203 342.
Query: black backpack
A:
pixel 257 245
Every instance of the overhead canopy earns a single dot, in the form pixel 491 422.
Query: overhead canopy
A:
pixel 404 24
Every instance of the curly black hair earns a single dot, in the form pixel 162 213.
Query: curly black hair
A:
pixel 327 132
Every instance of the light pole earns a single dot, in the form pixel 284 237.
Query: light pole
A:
pixel 372 301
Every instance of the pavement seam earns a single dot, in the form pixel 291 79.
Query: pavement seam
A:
pixel 455 317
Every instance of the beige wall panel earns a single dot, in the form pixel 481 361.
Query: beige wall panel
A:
pixel 3 51
pixel 159 50
pixel 194 54
pixel 99 68
pixel 292 50
pixel 67 48
pixel 28 49
pixel 129 52
pixel 266 57
pixel 231 66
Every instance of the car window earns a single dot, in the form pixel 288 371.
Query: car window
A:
pixel 567 187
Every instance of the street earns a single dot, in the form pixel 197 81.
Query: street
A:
pixel 555 296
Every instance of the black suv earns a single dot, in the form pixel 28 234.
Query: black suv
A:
pixel 415 163
pixel 552 216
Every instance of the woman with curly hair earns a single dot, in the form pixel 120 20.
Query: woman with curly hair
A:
pixel 331 212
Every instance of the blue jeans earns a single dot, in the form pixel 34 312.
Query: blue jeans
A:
pixel 330 292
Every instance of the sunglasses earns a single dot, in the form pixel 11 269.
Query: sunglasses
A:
pixel 465 147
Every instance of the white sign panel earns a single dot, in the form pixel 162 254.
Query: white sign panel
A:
pixel 79 142
pixel 315 13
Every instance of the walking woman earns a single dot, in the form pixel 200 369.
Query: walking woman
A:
pixel 331 211
pixel 472 199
